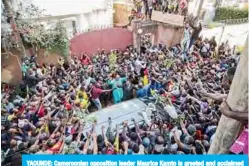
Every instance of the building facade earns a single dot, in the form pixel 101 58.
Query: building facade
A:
pixel 77 15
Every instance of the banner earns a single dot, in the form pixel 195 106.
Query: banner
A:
pixel 135 160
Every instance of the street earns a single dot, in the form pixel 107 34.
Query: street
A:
pixel 235 34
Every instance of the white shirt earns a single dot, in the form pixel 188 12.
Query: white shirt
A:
pixel 87 81
pixel 39 72
pixel 141 149
pixel 205 48
pixel 138 66
pixel 150 4
pixel 192 48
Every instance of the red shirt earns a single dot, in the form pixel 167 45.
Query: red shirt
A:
pixel 173 99
pixel 96 92
pixel 22 109
pixel 67 105
pixel 41 112
pixel 198 135
pixel 85 61
pixel 146 72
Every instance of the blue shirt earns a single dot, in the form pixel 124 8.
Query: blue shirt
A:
pixel 66 85
pixel 141 93
pixel 9 107
pixel 154 86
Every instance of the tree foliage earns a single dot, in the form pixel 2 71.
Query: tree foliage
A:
pixel 112 61
pixel 225 13
pixel 33 31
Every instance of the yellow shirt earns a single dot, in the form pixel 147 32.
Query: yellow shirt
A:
pixel 82 101
pixel 116 144
pixel 82 93
pixel 10 117
pixel 145 80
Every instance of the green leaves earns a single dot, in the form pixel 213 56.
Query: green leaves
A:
pixel 168 63
pixel 35 34
pixel 112 61
pixel 53 40
pixel 225 13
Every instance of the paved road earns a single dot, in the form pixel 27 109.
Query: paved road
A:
pixel 235 34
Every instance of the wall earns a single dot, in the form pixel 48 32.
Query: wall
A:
pixel 167 18
pixel 169 35
pixel 88 14
pixel 90 42
pixel 51 58
pixel 87 42
pixel 65 7
pixel 10 68
pixel 162 33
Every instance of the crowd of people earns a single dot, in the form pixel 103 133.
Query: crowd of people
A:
pixel 47 114
pixel 144 8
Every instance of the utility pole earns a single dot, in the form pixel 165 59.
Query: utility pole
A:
pixel 229 129
pixel 199 8
pixel 223 29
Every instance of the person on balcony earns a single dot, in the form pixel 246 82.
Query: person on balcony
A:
pixel 183 7
pixel 165 4
pixel 150 8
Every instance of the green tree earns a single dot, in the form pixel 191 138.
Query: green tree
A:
pixel 9 17
pixel 34 34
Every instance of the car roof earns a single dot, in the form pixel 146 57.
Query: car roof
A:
pixel 119 113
